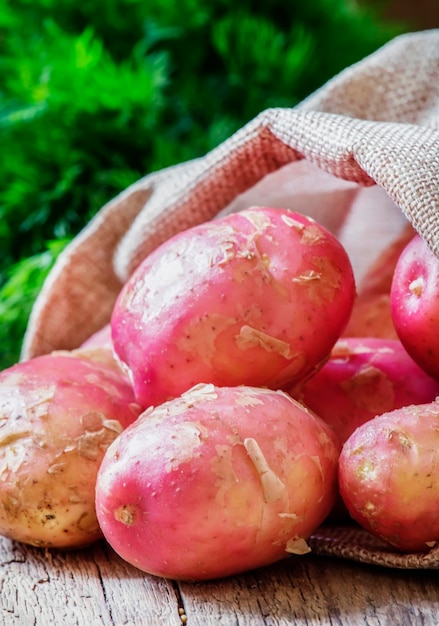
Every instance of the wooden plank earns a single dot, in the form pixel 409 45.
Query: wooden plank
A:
pixel 90 587
pixel 134 597
pixel 94 587
pixel 316 591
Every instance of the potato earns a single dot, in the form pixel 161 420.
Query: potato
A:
pixel 415 304
pixel 371 314
pixel 58 414
pixel 389 476
pixel 100 355
pixel 217 481
pixel 100 338
pixel 257 297
pixel 365 377
pixel 99 348
pixel 371 317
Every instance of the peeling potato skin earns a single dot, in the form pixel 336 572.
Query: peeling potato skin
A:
pixel 216 482
pixel 389 477
pixel 363 378
pixel 257 298
pixel 58 415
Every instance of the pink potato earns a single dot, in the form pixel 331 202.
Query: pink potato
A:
pixel 258 298
pixel 99 348
pixel 217 481
pixel 100 338
pixel 363 378
pixel 371 317
pixel 371 314
pixel 389 477
pixel 100 355
pixel 58 415
pixel 415 304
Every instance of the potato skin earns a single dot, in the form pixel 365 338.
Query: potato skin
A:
pixel 389 476
pixel 371 317
pixel 415 304
pixel 100 338
pixel 363 378
pixel 257 298
pixel 371 314
pixel 58 414
pixel 216 482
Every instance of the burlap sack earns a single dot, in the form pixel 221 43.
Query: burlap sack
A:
pixel 361 155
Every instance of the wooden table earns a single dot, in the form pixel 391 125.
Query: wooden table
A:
pixel 94 587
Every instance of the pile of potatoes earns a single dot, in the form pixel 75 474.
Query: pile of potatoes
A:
pixel 225 412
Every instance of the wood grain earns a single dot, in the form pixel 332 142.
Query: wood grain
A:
pixel 94 587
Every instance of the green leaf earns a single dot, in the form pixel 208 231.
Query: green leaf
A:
pixel 17 296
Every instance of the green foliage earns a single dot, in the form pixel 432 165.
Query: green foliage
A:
pixel 16 302
pixel 93 95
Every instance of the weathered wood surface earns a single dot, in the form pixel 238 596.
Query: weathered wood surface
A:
pixel 94 587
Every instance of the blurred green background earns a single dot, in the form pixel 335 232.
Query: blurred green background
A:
pixel 95 95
